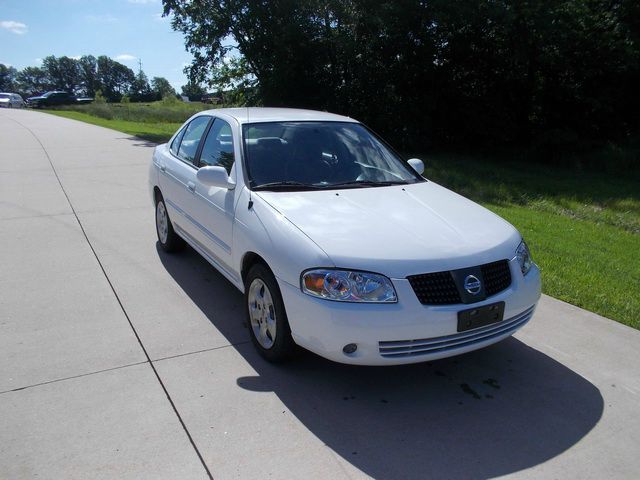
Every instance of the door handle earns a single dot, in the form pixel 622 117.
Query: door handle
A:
pixel 191 186
pixel 163 168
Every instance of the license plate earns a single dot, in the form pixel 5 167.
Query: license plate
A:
pixel 480 316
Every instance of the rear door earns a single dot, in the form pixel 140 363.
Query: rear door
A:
pixel 214 206
pixel 178 176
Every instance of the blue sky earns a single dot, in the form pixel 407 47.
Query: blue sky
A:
pixel 124 30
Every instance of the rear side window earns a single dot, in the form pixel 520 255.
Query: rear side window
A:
pixel 218 146
pixel 176 142
pixel 190 139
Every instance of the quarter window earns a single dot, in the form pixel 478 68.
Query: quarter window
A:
pixel 191 138
pixel 176 141
pixel 218 146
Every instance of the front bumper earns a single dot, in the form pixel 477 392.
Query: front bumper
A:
pixel 407 331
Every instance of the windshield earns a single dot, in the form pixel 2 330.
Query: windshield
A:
pixel 318 155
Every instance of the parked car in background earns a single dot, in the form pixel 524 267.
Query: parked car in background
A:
pixel 11 100
pixel 211 99
pixel 339 245
pixel 54 98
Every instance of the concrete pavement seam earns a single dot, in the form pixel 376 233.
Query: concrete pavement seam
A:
pixel 18 389
pixel 153 368
pixel 200 351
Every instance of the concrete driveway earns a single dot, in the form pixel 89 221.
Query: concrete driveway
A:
pixel 118 361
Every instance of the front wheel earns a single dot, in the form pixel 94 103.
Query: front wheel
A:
pixel 268 324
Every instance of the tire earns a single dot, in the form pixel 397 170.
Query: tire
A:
pixel 167 237
pixel 266 316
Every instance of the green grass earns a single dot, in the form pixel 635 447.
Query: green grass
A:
pixel 154 132
pixel 155 121
pixel 582 227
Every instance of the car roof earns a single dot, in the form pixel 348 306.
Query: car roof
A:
pixel 264 114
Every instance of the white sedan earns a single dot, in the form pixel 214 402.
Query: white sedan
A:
pixel 11 100
pixel 339 245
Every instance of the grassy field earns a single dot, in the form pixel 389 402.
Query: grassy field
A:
pixel 155 121
pixel 583 228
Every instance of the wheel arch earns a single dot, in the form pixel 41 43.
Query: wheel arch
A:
pixel 157 194
pixel 249 259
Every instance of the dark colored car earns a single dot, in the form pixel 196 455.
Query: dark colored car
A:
pixel 51 99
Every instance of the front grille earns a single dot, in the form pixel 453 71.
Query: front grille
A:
pixel 439 288
pixel 497 277
pixel 412 348
pixel 435 288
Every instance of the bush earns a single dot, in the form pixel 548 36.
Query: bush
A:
pixel 165 111
pixel 99 98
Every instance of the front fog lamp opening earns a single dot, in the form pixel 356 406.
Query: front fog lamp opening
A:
pixel 349 348
pixel 348 286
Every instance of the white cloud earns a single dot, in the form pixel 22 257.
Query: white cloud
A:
pixel 125 57
pixel 18 28
pixel 37 60
pixel 76 57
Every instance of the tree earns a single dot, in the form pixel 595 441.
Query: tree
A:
pixel 33 81
pixel 88 73
pixel 494 73
pixel 162 88
pixel 8 78
pixel 193 90
pixel 140 90
pixel 114 78
pixel 236 84
pixel 63 72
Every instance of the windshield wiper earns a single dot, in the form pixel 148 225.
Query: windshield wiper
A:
pixel 364 183
pixel 286 185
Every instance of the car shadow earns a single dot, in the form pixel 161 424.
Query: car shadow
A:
pixel 484 414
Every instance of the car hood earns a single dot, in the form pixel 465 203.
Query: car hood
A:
pixel 398 230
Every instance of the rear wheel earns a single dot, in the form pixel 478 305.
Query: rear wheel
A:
pixel 268 323
pixel 167 237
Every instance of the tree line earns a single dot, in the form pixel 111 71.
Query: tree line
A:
pixel 555 75
pixel 86 76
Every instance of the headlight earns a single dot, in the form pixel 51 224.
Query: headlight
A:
pixel 348 286
pixel 524 257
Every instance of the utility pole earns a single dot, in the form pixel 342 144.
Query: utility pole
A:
pixel 139 66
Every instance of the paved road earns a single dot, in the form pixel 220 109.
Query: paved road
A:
pixel 118 361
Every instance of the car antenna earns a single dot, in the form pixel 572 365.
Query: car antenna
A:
pixel 250 200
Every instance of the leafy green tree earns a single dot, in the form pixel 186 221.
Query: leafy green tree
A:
pixel 114 78
pixel 555 74
pixel 235 82
pixel 162 88
pixel 8 78
pixel 33 81
pixel 193 90
pixel 63 72
pixel 88 72
pixel 140 90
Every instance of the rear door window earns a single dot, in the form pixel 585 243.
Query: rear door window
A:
pixel 191 139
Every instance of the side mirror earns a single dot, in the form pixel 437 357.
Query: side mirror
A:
pixel 215 177
pixel 417 165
